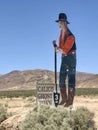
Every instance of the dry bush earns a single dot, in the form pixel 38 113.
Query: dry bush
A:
pixel 3 112
pixel 50 118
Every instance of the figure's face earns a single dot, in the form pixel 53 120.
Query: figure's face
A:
pixel 62 24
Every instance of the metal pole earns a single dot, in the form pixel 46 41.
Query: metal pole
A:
pixel 56 94
pixel 55 70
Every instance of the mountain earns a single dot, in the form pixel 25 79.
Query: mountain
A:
pixel 91 81
pixel 18 80
pixel 23 80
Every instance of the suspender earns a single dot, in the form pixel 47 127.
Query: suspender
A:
pixel 65 38
pixel 67 35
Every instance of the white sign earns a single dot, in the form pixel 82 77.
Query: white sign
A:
pixel 45 94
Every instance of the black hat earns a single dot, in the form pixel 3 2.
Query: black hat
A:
pixel 62 17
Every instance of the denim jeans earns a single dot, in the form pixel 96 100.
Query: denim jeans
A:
pixel 68 68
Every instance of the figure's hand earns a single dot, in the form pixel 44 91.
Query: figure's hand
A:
pixel 57 48
pixel 60 50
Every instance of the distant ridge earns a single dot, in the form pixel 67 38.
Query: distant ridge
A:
pixel 27 79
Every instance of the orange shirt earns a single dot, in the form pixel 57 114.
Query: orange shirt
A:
pixel 67 45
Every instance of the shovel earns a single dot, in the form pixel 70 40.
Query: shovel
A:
pixel 56 94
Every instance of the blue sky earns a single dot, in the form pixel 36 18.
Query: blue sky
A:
pixel 27 29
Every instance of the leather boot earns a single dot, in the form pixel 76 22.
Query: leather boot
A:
pixel 71 92
pixel 63 96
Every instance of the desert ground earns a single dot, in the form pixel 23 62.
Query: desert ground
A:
pixel 19 107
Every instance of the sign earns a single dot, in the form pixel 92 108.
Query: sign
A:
pixel 45 94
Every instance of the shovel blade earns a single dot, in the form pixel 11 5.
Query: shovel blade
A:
pixel 56 98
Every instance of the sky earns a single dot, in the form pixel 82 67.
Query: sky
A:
pixel 28 27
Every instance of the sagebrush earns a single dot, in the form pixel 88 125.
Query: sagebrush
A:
pixel 3 112
pixel 47 118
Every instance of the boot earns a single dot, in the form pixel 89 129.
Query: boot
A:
pixel 63 96
pixel 70 98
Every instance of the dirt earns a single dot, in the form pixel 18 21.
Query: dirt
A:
pixel 19 107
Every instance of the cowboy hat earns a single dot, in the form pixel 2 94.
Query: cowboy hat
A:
pixel 62 17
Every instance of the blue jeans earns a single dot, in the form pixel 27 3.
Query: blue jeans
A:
pixel 68 68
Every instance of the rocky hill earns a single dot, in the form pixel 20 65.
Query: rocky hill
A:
pixel 91 81
pixel 22 80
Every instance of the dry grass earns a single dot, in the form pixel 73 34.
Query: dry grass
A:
pixel 19 107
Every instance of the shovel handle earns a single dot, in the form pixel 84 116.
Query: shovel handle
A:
pixel 54 43
pixel 55 65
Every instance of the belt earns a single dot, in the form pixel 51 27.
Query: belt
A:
pixel 69 53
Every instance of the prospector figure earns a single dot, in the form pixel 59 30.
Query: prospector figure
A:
pixel 67 47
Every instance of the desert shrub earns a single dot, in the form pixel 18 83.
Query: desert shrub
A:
pixel 87 91
pixel 82 119
pixel 18 93
pixel 28 93
pixel 3 112
pixel 50 118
